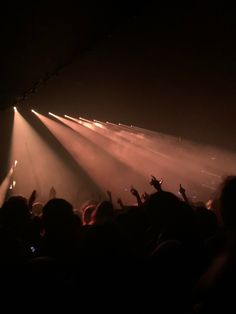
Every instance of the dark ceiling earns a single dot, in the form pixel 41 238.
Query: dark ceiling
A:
pixel 38 39
pixel 180 56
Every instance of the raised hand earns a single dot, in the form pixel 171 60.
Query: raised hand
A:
pixel 183 193
pixel 145 196
pixel 136 194
pixel 32 199
pixel 181 190
pixel 156 183
pixel 109 195
pixel 134 191
pixel 52 193
pixel 119 201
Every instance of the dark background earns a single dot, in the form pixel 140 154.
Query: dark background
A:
pixel 165 67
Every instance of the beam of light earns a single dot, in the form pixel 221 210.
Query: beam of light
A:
pixel 110 123
pixel 93 158
pixel 98 124
pixel 73 119
pixel 143 151
pixel 125 153
pixel 69 117
pixel 124 125
pixel 51 114
pixel 85 120
pixel 94 120
pixel 38 165
pixel 186 161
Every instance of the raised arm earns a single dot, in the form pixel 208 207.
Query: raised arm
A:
pixel 156 183
pixel 32 199
pixel 109 196
pixel 136 194
pixel 119 201
pixel 183 194
pixel 52 193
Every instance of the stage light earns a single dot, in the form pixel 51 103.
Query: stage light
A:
pixel 98 121
pixel 86 120
pixel 15 109
pixel 124 125
pixel 52 114
pixel 98 124
pixel 110 123
pixel 71 118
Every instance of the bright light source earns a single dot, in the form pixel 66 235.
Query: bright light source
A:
pixel 15 109
pixel 69 117
pixel 52 114
pixel 10 188
pixel 86 120
pixel 14 183
pixel 32 110
pixel 98 124
pixel 15 163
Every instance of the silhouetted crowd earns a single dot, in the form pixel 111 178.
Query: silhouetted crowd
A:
pixel 165 253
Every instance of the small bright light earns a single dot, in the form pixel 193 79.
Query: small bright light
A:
pixel 10 187
pixel 98 124
pixel 69 117
pixel 14 183
pixel 15 163
pixel 32 110
pixel 52 114
pixel 15 109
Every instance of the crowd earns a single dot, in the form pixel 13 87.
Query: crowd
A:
pixel 182 255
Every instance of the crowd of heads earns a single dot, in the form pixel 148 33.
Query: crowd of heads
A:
pixel 187 250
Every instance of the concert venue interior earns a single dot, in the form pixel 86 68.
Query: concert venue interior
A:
pixel 104 96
